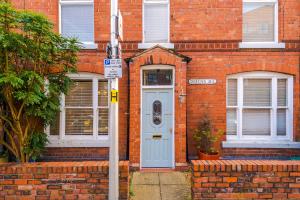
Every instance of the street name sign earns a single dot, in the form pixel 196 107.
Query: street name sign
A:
pixel 202 81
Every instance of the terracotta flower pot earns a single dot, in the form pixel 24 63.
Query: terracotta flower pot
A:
pixel 204 156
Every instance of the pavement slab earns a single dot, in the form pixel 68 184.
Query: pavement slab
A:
pixel 175 192
pixel 161 186
pixel 140 178
pixel 146 192
pixel 174 178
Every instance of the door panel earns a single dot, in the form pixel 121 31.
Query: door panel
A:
pixel 157 127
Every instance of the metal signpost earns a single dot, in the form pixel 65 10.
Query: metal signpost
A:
pixel 113 71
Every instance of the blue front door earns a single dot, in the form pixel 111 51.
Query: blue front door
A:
pixel 157 128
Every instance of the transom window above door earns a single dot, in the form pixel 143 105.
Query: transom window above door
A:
pixel 259 106
pixel 152 77
pixel 77 20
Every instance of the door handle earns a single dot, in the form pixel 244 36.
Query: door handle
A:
pixel 171 130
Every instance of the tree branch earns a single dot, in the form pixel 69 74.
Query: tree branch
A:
pixel 9 147
pixel 8 121
pixel 13 143
pixel 10 104
pixel 20 110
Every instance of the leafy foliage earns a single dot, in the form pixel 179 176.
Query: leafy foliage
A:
pixel 34 62
pixel 204 137
pixel 36 145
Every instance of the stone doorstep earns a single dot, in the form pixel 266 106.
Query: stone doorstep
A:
pixel 182 167
pixel 157 170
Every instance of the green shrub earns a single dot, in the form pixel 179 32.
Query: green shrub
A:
pixel 34 61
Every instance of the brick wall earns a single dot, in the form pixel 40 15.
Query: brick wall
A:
pixel 212 43
pixel 75 154
pixel 210 20
pixel 60 180
pixel 245 179
pixel 260 152
pixel 211 99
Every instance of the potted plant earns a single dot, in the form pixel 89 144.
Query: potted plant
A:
pixel 206 140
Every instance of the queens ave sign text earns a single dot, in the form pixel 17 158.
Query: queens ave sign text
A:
pixel 202 81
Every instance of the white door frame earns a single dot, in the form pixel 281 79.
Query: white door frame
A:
pixel 147 67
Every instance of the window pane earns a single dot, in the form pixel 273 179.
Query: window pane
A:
pixel 80 94
pixel 231 122
pixel 281 122
pixel 258 22
pixel 103 121
pixel 257 92
pixel 256 122
pixel 156 23
pixel 156 112
pixel 232 92
pixel 281 92
pixel 79 121
pixel 102 93
pixel 54 127
pixel 78 21
pixel 157 77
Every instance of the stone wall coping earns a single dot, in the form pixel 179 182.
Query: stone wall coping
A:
pixel 48 167
pixel 245 165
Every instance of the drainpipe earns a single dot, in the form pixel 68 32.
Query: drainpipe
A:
pixel 128 109
pixel 187 60
pixel 186 137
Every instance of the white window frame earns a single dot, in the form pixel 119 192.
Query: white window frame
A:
pixel 94 140
pixel 145 45
pixel 84 45
pixel 239 108
pixel 275 43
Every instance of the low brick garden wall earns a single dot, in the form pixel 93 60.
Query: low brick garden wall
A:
pixel 251 179
pixel 60 180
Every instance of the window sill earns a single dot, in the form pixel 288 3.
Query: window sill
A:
pixel 261 144
pixel 149 45
pixel 265 45
pixel 102 141
pixel 89 45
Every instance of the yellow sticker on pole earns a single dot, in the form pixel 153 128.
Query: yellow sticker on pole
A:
pixel 114 96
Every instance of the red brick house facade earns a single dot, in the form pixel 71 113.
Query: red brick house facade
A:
pixel 241 71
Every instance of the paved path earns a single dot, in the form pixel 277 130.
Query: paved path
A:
pixel 161 186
